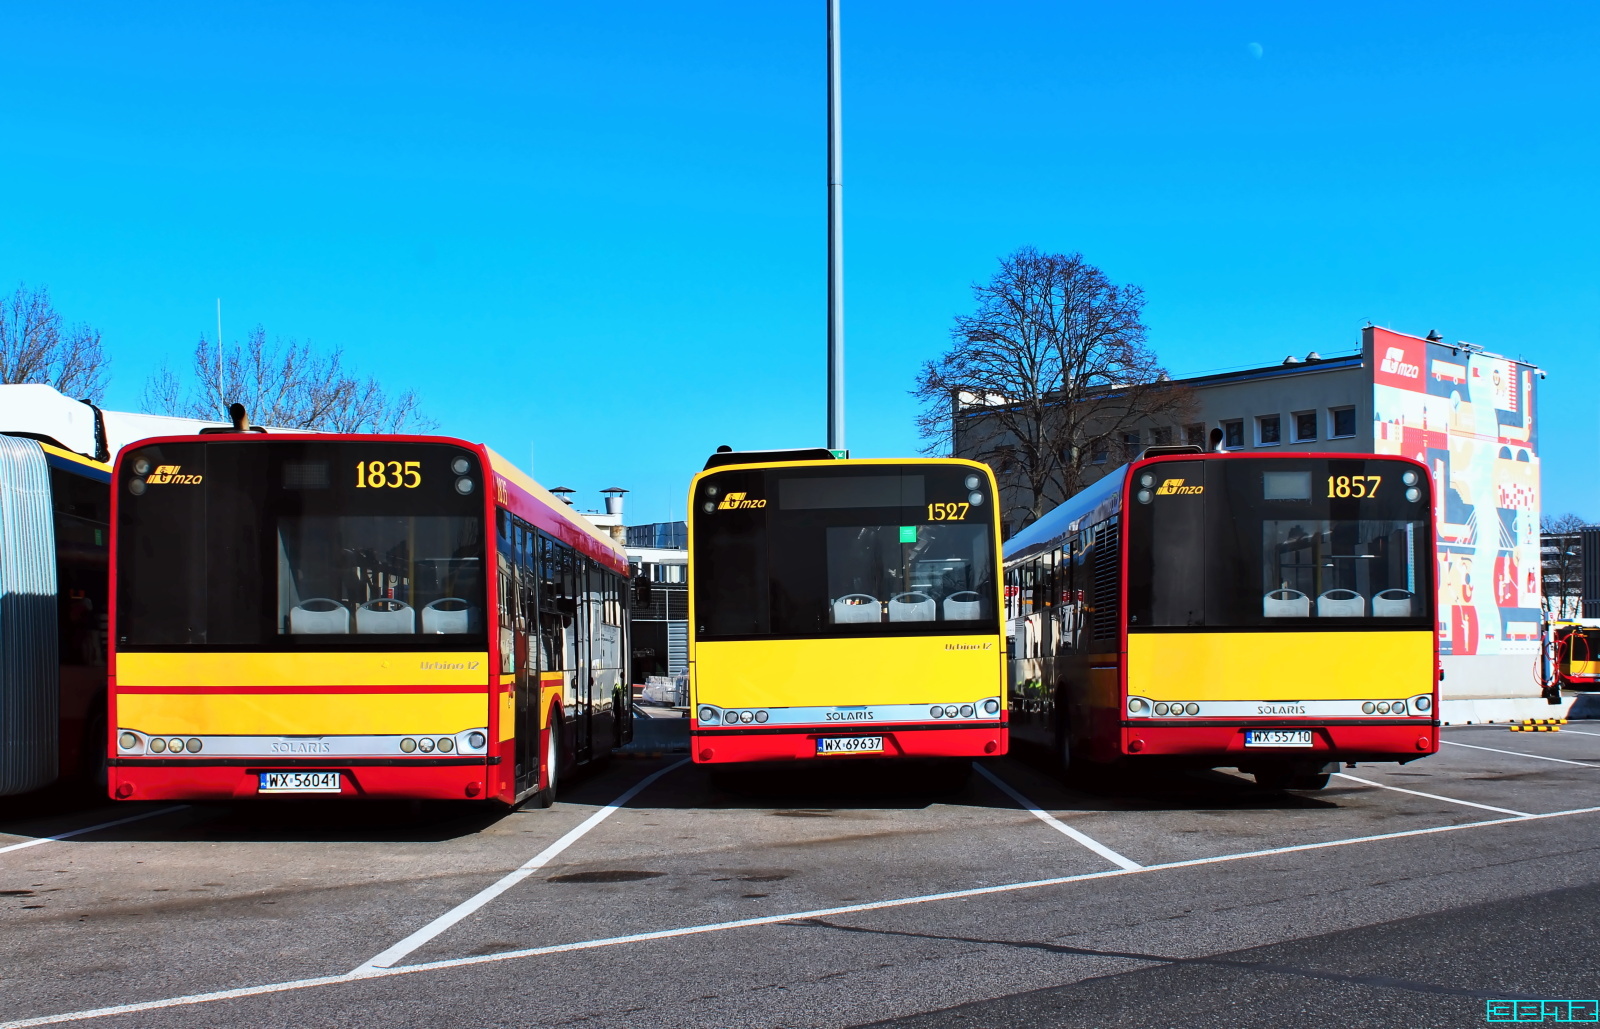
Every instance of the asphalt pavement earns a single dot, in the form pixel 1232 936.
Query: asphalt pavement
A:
pixel 837 895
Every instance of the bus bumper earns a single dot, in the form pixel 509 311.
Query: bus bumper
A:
pixel 367 782
pixel 1385 741
pixel 711 746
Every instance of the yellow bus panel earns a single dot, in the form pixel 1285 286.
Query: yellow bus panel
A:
pixel 1279 665
pixel 303 669
pixel 302 714
pixel 820 672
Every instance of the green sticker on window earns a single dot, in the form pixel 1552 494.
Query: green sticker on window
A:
pixel 908 534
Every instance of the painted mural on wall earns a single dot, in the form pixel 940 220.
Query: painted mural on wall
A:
pixel 1470 418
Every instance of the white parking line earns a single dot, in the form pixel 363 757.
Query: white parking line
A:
pixel 1518 753
pixel 1055 823
pixel 93 828
pixel 695 930
pixel 538 861
pixel 1433 796
pixel 1580 732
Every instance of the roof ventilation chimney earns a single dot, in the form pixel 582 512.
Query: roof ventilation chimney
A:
pixel 1433 336
pixel 614 500
pixel 565 493
pixel 1313 356
pixel 1291 359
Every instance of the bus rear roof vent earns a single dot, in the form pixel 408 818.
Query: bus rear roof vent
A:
pixel 727 457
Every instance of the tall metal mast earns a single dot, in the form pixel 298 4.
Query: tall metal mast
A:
pixel 835 240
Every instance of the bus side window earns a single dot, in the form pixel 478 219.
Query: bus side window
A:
pixel 1065 609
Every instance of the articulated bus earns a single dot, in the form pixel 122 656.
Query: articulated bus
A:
pixel 54 541
pixel 1273 614
pixel 844 608
pixel 355 616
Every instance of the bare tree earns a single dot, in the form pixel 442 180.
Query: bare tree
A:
pixel 1048 372
pixel 1561 560
pixel 36 347
pixel 285 383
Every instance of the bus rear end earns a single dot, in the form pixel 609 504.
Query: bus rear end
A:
pixel 300 616
pixel 1279 613
pixel 844 609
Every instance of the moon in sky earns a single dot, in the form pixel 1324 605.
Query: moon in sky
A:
pixel 1255 50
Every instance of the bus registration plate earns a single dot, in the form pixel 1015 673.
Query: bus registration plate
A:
pixel 850 745
pixel 300 782
pixel 1277 737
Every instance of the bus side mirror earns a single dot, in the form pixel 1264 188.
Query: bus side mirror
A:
pixel 643 595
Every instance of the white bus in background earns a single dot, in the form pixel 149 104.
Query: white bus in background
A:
pixel 55 474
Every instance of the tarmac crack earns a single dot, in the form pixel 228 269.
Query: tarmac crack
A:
pixel 1260 967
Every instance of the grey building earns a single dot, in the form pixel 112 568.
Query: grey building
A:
pixel 1467 414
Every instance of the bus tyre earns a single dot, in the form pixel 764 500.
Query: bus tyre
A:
pixel 949 776
pixel 552 762
pixel 1071 764
pixel 1292 776
pixel 93 764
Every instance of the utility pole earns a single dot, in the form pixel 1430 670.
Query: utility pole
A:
pixel 222 400
pixel 835 240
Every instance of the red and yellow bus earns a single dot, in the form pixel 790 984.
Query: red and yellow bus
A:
pixel 355 616
pixel 1575 655
pixel 54 541
pixel 840 609
pixel 1274 614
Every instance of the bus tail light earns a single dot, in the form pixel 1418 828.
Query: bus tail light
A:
pixel 991 706
pixel 124 791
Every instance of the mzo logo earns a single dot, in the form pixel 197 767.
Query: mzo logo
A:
pixel 1394 362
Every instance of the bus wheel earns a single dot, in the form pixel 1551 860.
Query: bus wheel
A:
pixel 1289 776
pixel 1071 763
pixel 93 765
pixel 949 776
pixel 552 761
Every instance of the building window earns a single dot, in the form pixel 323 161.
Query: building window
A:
pixel 1305 426
pixel 1194 435
pixel 1099 456
pixel 1161 436
pixel 1233 434
pixel 1342 422
pixel 1269 430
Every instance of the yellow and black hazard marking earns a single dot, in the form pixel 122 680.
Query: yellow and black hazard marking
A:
pixel 1539 725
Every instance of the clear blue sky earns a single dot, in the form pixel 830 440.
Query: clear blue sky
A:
pixel 595 232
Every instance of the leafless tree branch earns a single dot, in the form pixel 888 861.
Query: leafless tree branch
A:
pixel 1049 370
pixel 283 383
pixel 36 347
